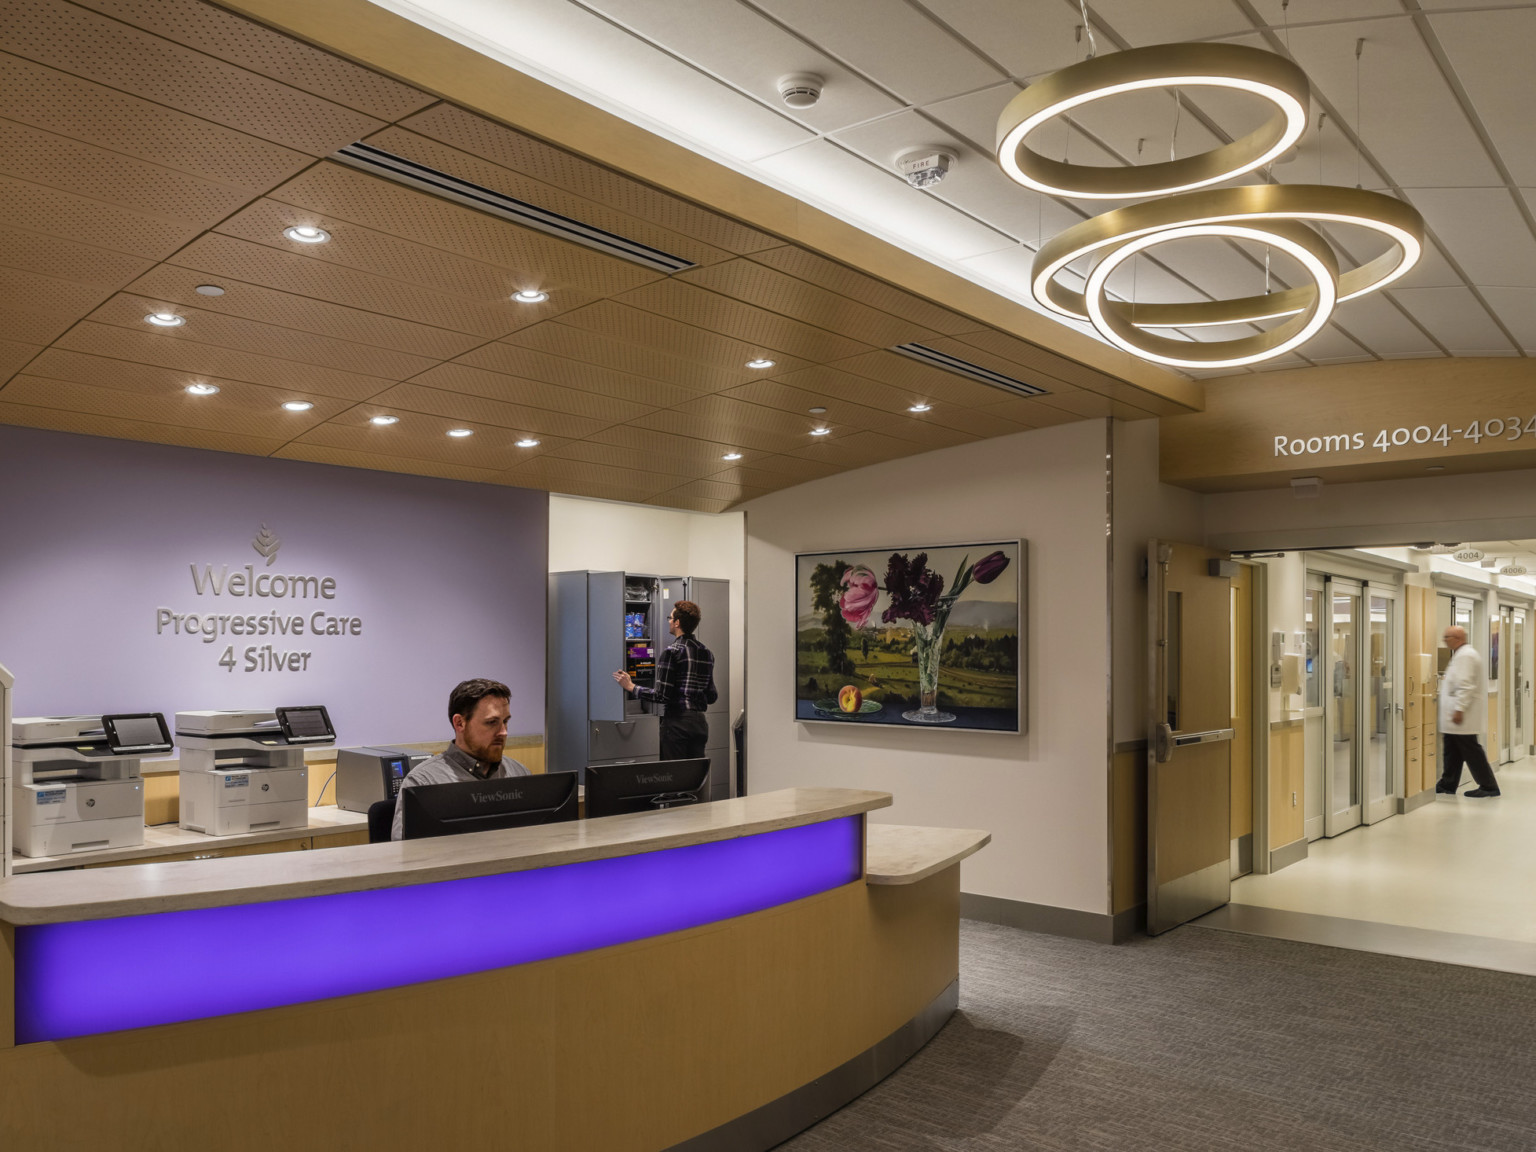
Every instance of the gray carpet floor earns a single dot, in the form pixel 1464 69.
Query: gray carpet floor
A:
pixel 1201 1040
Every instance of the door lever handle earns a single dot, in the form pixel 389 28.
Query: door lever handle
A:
pixel 1163 746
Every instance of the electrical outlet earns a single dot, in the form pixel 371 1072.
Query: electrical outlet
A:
pixel 1293 799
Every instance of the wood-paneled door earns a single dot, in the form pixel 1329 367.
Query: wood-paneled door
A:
pixel 1189 745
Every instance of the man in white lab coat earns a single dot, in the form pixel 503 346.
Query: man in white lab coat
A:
pixel 1463 702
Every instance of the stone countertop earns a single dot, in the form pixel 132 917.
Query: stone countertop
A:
pixel 165 839
pixel 94 894
pixel 901 854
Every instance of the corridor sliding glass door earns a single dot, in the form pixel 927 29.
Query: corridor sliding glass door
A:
pixel 1360 701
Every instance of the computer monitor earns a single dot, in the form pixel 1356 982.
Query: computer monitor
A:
pixel 613 789
pixel 485 805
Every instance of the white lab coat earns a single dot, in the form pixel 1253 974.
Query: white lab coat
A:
pixel 1463 689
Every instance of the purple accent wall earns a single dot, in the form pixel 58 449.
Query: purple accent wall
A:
pixel 447 578
pixel 77 979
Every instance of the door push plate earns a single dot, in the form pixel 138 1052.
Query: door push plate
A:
pixel 1164 745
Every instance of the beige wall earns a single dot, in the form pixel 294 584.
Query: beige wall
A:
pixel 1043 795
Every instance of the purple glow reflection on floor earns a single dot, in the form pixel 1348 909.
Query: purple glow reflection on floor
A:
pixel 91 976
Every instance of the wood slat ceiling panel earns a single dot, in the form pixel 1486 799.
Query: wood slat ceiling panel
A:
pixel 253 302
pixel 209 360
pixel 220 255
pixel 478 411
pixel 1032 411
pixel 698 453
pixel 435 154
pixel 930 384
pixel 673 337
pixel 71 217
pixel 91 424
pixel 63 259
pixel 46 294
pixel 72 39
pixel 14 357
pixel 1003 353
pixel 531 393
pixel 244 409
pixel 723 492
pixel 238 334
pixel 627 483
pixel 36 327
pixel 385 462
pixel 757 329
pixel 588 346
pixel 743 432
pixel 520 153
pixel 260 49
pixel 425 438
pixel 533 259
pixel 842 413
pixel 531 364
pixel 764 287
pixel 857 450
pixel 762 478
pixel 692 504
pixel 55 161
pixel 104 372
pixel 95 114
pixel 639 459
pixel 845 281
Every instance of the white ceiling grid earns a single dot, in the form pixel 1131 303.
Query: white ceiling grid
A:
pixel 1442 121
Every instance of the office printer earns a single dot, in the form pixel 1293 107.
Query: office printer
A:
pixel 365 776
pixel 77 785
pixel 243 770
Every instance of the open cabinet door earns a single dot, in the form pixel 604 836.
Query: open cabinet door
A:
pixel 1189 733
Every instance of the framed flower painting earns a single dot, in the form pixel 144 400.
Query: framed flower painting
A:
pixel 912 637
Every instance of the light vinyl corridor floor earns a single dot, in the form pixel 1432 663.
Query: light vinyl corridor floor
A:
pixel 1454 880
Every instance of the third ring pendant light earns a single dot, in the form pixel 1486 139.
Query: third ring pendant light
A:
pixel 1275 215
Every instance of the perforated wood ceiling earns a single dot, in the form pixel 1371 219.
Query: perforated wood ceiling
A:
pixel 148 147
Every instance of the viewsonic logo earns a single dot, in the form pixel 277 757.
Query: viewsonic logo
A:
pixel 266 544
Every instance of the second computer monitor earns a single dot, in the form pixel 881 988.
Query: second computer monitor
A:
pixel 484 805
pixel 614 789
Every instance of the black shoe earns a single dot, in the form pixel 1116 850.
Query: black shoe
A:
pixel 1480 793
pixel 1439 791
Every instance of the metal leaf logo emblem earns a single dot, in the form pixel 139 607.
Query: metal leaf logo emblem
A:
pixel 267 544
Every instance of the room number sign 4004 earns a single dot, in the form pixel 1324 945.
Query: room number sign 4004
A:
pixel 1506 428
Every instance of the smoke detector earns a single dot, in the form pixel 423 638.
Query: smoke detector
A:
pixel 1469 555
pixel 925 167
pixel 800 89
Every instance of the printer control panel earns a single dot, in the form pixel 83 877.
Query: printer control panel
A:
pixel 394 769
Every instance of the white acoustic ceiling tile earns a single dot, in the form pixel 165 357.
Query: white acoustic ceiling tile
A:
pixel 1121 122
pixel 1432 271
pixel 1212 265
pixel 1484 231
pixel 1314 11
pixel 1382 327
pixel 1491 53
pixel 915 221
pixel 1456 319
pixel 731 41
pixel 1408 116
pixel 1517 308
pixel 614 67
pixel 1331 345
pixel 1025 38
pixel 894 44
pixel 1143 23
pixel 974 116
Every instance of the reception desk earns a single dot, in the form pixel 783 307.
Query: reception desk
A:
pixel 710 977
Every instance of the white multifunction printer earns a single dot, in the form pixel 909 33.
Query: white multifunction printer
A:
pixel 77 785
pixel 243 770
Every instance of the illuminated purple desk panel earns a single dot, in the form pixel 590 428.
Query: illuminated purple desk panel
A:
pixel 726 972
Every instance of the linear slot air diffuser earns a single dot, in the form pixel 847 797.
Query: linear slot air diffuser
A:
pixel 934 358
pixel 403 171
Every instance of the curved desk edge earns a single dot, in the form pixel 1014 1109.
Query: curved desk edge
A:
pixel 903 854
pixel 55 897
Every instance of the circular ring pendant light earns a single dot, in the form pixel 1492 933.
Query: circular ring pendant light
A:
pixel 1265 74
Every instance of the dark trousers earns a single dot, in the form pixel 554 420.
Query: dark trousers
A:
pixel 1460 748
pixel 684 735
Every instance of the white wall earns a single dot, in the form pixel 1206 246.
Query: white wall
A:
pixel 606 536
pixel 1043 795
pixel 1144 508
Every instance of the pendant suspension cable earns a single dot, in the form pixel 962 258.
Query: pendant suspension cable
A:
pixel 1087 26
pixel 1266 270
pixel 1285 16
pixel 1178 112
pixel 1359 126
pixel 1322 118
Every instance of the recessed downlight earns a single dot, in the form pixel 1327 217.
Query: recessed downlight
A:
pixel 165 319
pixel 530 296
pixel 820 431
pixel 731 456
pixel 307 234
pixel 208 290
pixel 527 442
pixel 202 389
pixel 383 421
pixel 921 408
pixel 297 405
pixel 760 362
pixel 460 433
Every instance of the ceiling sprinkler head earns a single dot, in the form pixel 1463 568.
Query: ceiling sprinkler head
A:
pixel 925 167
pixel 800 89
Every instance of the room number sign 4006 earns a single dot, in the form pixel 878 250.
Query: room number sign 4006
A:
pixel 1496 428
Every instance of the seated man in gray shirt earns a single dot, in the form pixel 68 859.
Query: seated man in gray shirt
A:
pixel 479 711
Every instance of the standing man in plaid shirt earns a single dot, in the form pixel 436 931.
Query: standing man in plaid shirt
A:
pixel 685 687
